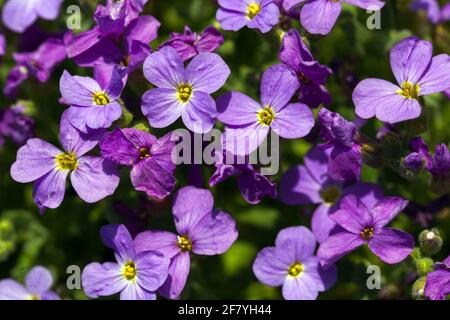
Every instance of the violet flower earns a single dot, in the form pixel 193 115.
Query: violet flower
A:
pixel 15 124
pixel 201 230
pixel 2 45
pixel 183 92
pixel 293 265
pixel 311 184
pixel 417 74
pixel 233 15
pixel 247 122
pixel 311 74
pixel 150 158
pixel 136 275
pixel 438 165
pixel 189 44
pixel 437 285
pixel 18 15
pixel 434 13
pixel 364 225
pixel 37 286
pixel 93 178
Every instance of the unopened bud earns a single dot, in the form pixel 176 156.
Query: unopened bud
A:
pixel 424 265
pixel 418 288
pixel 430 242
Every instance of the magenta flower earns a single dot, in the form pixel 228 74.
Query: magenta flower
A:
pixel 293 265
pixel 18 15
pixel 311 74
pixel 183 92
pixel 93 178
pixel 201 230
pixel 437 285
pixel 136 275
pixel 311 184
pixel 417 74
pixel 93 105
pixel 37 286
pixel 256 14
pixel 248 122
pixel 150 158
pixel 364 225
pixel 189 44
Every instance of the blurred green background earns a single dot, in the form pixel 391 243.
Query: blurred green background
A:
pixel 69 235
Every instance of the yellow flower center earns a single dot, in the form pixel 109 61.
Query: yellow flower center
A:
pixel 266 116
pixel 184 243
pixel 296 269
pixel 100 98
pixel 253 9
pixel 184 92
pixel 367 234
pixel 409 90
pixel 33 297
pixel 129 271
pixel 66 161
pixel 144 153
pixel 330 194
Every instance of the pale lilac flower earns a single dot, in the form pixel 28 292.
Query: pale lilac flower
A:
pixel 256 14
pixel 363 225
pixel 136 275
pixel 18 15
pixel 93 178
pixel 183 92
pixel 37 286
pixel 201 229
pixel 417 74
pixel 293 265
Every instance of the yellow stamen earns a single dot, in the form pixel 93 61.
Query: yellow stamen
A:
pixel 409 90
pixel 144 153
pixel 33 297
pixel 296 269
pixel 266 116
pixel 253 9
pixel 184 92
pixel 184 243
pixel 100 98
pixel 129 271
pixel 66 161
pixel 367 234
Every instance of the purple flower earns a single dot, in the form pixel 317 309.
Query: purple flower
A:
pixel 93 178
pixel 248 122
pixel 434 13
pixel 293 265
pixel 417 73
pixel 18 15
pixel 235 14
pixel 183 92
pixel 14 123
pixel 201 230
pixel 319 16
pixel 150 158
pixel 93 105
pixel 364 225
pixel 311 74
pixel 2 45
pixel 189 44
pixel 37 286
pixel 39 64
pixel 437 285
pixel 345 159
pixel 136 275
pixel 447 91
pixel 252 184
pixel 311 184
pixel 438 165
pixel 414 161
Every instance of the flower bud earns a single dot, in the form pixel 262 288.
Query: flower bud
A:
pixel 424 265
pixel 418 288
pixel 430 242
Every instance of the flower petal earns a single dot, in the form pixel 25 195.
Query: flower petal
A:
pixel 319 17
pixel 301 241
pixel 337 246
pixel 293 121
pixel 298 187
pixel 102 279
pixel 18 15
pixel 161 107
pixel 207 72
pixel 12 290
pixel 134 291
pixel 392 245
pixel 237 109
pixel 165 68
pixel 278 84
pixel 266 18
pixel 48 9
pixel 162 241
pixel 244 140
pixel 200 112
pixel 352 215
pixel 48 191
pixel 397 109
pixel 152 269
pixel 300 288
pixel 255 186
pixel 271 266
pixel 322 225
pixel 387 209
pixel 231 20
pixel 178 274
pixel 78 91
pixel 117 237
pixel 38 280
pixel 437 77
pixel 437 285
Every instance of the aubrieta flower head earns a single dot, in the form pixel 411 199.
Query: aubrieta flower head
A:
pixel 150 158
pixel 293 265
pixel 319 16
pixel 14 123
pixel 438 165
pixel 39 64
pixel 311 184
pixel 93 178
pixel 18 15
pixel 181 91
pixel 437 285
pixel 312 75
pixel 364 225
pixel 417 74
pixel 249 122
pixel 434 13
pixel 189 44
pixel 93 104
pixel 253 185
pixel 201 230
pixel 256 14
pixel 345 159
pixel 136 275
pixel 37 286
